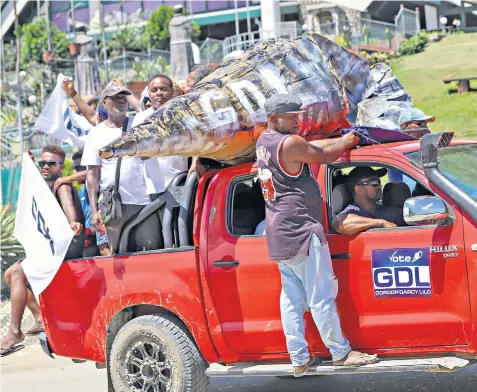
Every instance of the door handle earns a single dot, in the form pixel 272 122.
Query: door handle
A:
pixel 223 264
pixel 341 256
pixel 474 247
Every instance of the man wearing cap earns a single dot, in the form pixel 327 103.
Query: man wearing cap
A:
pixel 294 233
pixel 102 173
pixel 414 121
pixel 365 185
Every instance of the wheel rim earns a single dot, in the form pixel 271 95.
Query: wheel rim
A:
pixel 146 368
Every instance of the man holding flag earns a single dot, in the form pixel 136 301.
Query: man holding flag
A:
pixel 46 239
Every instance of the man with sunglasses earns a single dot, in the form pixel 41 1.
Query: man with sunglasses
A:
pixel 51 165
pixel 365 185
pixel 414 121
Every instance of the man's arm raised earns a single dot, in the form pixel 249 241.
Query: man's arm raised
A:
pixel 296 149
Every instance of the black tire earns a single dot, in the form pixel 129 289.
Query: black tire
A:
pixel 155 350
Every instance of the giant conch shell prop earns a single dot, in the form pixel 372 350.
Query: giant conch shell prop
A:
pixel 222 117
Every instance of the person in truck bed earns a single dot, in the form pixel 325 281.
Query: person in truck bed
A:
pixel 295 236
pixel 365 185
pixel 21 295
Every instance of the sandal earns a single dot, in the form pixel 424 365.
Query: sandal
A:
pixel 360 360
pixel 33 332
pixel 7 351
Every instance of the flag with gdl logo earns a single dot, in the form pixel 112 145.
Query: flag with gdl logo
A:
pixel 58 120
pixel 41 227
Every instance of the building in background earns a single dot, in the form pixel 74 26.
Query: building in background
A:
pixel 216 18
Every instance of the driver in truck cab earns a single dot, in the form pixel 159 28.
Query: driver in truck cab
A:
pixel 365 186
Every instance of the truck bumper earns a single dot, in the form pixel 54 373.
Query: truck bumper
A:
pixel 45 346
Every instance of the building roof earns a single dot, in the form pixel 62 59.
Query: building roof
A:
pixel 359 5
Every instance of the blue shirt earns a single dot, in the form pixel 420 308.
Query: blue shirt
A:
pixel 391 214
pixel 84 200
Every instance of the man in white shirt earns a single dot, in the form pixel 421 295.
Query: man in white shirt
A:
pixel 159 171
pixel 102 174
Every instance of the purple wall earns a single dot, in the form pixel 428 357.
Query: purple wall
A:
pixel 131 6
pixel 197 7
pixel 60 21
pixel 82 15
pixel 218 5
pixel 151 6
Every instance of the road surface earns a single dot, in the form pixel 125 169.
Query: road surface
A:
pixel 34 371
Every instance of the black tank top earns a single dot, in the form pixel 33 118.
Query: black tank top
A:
pixel 293 201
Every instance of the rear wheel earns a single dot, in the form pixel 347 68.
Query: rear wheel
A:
pixel 154 354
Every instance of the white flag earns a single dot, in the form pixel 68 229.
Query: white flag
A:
pixel 41 227
pixel 58 120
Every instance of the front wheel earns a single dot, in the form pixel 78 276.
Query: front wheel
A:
pixel 154 354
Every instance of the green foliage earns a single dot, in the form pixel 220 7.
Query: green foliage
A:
pixel 11 249
pixel 127 37
pixel 68 169
pixel 157 28
pixel 343 40
pixel 422 75
pixel 143 70
pixel 8 117
pixel 9 52
pixel 415 44
pixel 34 42
pixel 377 57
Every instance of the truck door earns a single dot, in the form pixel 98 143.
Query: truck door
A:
pixel 245 282
pixel 403 287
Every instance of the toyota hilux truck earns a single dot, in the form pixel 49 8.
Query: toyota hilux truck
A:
pixel 207 303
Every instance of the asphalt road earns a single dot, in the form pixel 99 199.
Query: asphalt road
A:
pixel 36 372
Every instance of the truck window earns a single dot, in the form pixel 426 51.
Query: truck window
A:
pixel 397 187
pixel 246 206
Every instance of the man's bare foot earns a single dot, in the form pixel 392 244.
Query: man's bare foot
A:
pixel 36 328
pixel 10 340
pixel 356 358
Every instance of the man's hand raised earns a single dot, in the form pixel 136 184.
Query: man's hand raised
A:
pixel 69 88
pixel 350 140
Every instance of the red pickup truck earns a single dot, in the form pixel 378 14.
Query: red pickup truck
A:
pixel 207 304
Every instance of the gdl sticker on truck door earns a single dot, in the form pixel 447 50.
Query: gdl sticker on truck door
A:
pixel 403 272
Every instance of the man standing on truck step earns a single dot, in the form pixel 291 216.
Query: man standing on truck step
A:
pixel 295 236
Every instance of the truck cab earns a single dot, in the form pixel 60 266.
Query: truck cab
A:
pixel 207 304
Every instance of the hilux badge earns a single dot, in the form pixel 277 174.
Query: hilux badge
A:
pixel 448 251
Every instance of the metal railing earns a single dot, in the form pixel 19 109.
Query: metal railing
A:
pixel 211 51
pixel 244 40
pixel 377 36
pixel 407 22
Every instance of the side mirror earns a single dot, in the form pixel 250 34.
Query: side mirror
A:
pixel 425 210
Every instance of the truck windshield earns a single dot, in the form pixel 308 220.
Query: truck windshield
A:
pixel 458 164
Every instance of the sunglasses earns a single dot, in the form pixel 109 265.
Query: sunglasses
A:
pixel 371 182
pixel 49 163
pixel 421 123
pixel 79 168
